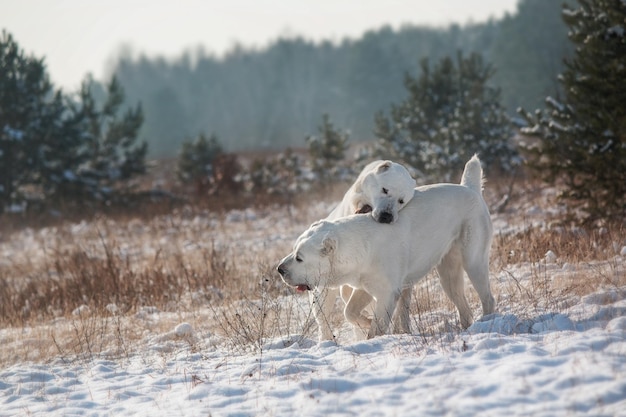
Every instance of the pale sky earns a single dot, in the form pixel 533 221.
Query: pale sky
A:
pixel 77 37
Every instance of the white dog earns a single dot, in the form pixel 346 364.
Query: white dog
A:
pixel 382 188
pixel 446 226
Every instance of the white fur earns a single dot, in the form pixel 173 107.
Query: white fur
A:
pixel 446 226
pixel 384 187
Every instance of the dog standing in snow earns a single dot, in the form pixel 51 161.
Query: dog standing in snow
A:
pixel 382 189
pixel 446 226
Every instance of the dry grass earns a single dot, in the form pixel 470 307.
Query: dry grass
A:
pixel 83 289
pixel 89 288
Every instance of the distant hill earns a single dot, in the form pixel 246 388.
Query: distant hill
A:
pixel 274 97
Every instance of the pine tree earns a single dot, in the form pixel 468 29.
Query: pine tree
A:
pixel 54 147
pixel 111 151
pixel 327 150
pixel 582 138
pixel 195 162
pixel 451 113
pixel 39 137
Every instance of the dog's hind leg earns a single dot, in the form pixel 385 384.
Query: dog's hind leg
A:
pixel 478 273
pixel 383 312
pixel 475 251
pixel 353 312
pixel 450 271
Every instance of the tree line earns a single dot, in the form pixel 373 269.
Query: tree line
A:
pixel 86 147
pixel 269 98
pixel 55 146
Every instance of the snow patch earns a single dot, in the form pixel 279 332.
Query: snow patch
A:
pixel 550 257
pixel 81 311
pixel 183 330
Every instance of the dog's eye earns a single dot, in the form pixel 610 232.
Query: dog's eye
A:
pixel 385 191
pixel 298 258
pixel 401 201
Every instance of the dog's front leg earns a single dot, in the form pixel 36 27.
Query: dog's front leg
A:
pixel 322 303
pixel 353 312
pixel 385 306
pixel 401 318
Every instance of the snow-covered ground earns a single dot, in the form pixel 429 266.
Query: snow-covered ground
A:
pixel 563 364
pixel 564 355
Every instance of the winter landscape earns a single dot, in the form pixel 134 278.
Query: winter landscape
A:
pixel 144 214
pixel 234 340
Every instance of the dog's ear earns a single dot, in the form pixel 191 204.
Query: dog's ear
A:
pixel 358 188
pixel 329 244
pixel 383 167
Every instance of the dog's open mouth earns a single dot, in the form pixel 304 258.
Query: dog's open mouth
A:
pixel 365 209
pixel 303 288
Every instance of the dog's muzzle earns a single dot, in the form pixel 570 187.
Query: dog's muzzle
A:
pixel 385 217
pixel 285 276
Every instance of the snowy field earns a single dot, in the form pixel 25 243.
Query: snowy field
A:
pixel 545 353
pixel 554 365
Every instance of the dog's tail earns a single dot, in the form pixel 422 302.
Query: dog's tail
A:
pixel 473 175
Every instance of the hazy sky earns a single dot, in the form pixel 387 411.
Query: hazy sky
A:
pixel 81 36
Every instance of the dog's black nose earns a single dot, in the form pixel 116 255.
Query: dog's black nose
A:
pixel 385 217
pixel 281 269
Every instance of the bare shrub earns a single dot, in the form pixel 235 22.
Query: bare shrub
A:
pixel 216 270
pixel 263 314
pixel 69 280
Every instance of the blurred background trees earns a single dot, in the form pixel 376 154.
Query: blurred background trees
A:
pixel 582 136
pixel 58 147
pixel 196 161
pixel 111 153
pixel 268 98
pixel 451 93
pixel 34 124
pixel 450 114
pixel 327 151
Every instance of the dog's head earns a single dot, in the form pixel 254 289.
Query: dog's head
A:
pixel 310 263
pixel 384 191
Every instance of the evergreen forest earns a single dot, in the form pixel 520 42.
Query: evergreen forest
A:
pixel 426 97
pixel 274 97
